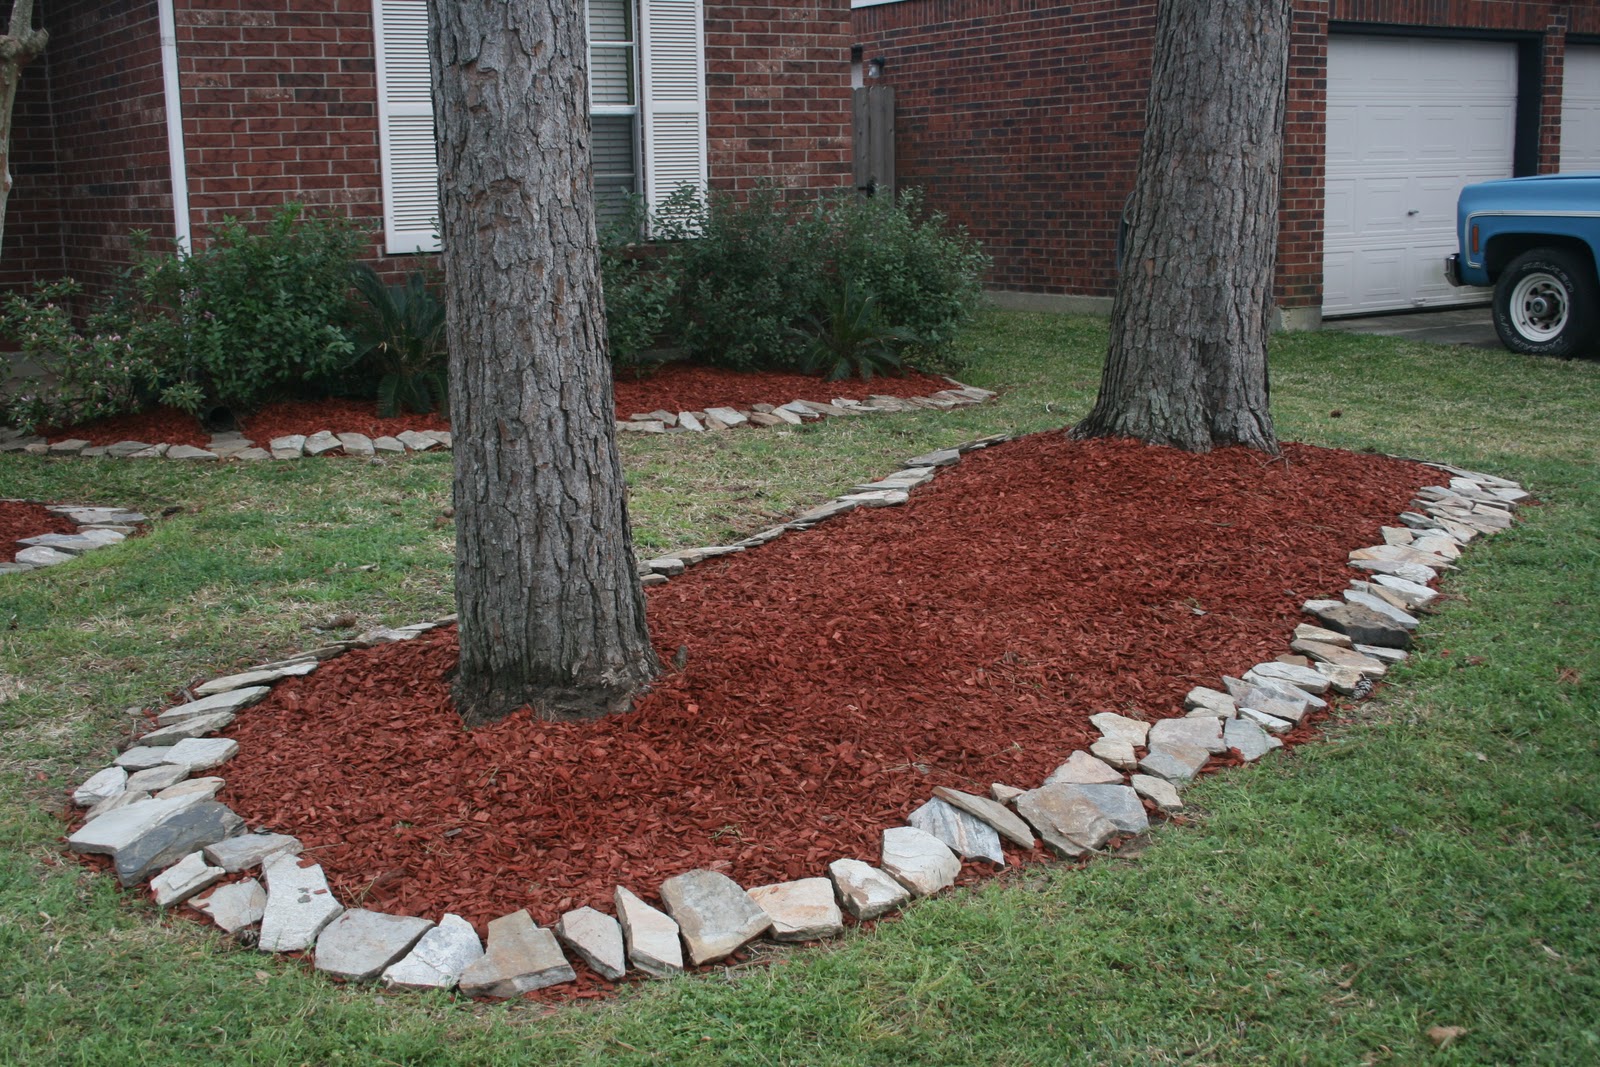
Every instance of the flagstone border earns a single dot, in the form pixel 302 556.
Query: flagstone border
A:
pixel 233 446
pixel 1090 801
pixel 97 527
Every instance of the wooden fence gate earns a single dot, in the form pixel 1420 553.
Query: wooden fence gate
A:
pixel 872 123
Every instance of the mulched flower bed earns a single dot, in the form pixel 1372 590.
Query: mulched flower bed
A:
pixel 833 678
pixel 674 387
pixel 18 520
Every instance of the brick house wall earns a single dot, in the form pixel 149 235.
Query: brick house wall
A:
pixel 1023 122
pixel 279 103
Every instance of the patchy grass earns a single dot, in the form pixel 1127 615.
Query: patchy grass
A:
pixel 1432 863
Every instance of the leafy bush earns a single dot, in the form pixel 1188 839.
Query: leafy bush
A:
pixel 639 293
pixel 399 338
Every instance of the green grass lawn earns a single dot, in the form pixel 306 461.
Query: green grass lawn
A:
pixel 1434 862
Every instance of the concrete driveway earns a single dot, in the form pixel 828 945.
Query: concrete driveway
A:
pixel 1450 326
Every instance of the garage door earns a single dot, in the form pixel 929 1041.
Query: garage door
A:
pixel 1410 122
pixel 1580 109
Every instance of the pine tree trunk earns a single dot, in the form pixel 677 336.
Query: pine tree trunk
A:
pixel 1187 364
pixel 551 611
pixel 20 46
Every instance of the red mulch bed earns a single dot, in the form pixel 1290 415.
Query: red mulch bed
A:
pixel 834 677
pixel 27 520
pixel 675 387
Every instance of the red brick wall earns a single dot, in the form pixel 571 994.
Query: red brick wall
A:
pixel 1023 121
pixel 92 145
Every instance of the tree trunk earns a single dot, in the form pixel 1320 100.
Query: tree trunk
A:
pixel 19 47
pixel 1187 364
pixel 551 611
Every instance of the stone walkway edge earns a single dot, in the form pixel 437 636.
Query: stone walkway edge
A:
pixel 97 528
pixel 159 823
pixel 324 442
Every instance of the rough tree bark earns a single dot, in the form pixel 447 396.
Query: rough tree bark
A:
pixel 20 46
pixel 1187 364
pixel 551 611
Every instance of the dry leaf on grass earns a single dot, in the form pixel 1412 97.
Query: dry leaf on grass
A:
pixel 1445 1036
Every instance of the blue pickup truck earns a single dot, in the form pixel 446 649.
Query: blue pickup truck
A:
pixel 1536 240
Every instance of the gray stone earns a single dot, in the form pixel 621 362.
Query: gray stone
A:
pixel 124 449
pixel 440 959
pixel 648 426
pixel 1440 544
pixel 1341 657
pixel 8 567
pixel 727 416
pixel 1382 607
pixel 667 565
pixel 183 880
pixel 966 835
pixel 321 442
pixel 102 785
pixel 804 910
pixel 1194 733
pixel 1416 596
pixel 865 891
pixel 359 945
pixel 943 457
pixel 825 511
pixel 788 416
pixel 172 838
pixel 1217 704
pixel 442 438
pixel 1362 625
pixel 69 447
pixel 245 851
pixel 1083 769
pixel 1175 763
pixel 1397 535
pixel 196 726
pixel 202 753
pixel 189 452
pixel 878 498
pixel 714 915
pixel 355 444
pixel 1121 728
pixel 1267 722
pixel 520 958
pixel 110 804
pixel 391 445
pixel 1400 554
pixel 1306 632
pixel 71 544
pixel 415 441
pixel 1384 655
pixel 153 452
pixel 1005 794
pixel 299 905
pixel 252 455
pixel 1249 739
pixel 1285 675
pixel 687 420
pixel 261 679
pixel 997 815
pixel 1281 702
pixel 761 418
pixel 291 446
pixel 234 907
pixel 1118 754
pixel 205 788
pixel 918 860
pixel 1066 820
pixel 1120 805
pixel 1159 791
pixel 39 556
pixel 650 935
pixel 162 776
pixel 141 757
pixel 229 700
pixel 1413 572
pixel 597 939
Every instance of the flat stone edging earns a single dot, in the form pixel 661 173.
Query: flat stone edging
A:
pixel 97 528
pixel 159 823
pixel 324 442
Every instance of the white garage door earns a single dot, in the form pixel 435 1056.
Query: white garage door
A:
pixel 1580 109
pixel 1410 122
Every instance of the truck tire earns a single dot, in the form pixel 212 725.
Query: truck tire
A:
pixel 1547 303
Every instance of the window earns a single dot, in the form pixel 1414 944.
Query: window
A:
pixel 646 97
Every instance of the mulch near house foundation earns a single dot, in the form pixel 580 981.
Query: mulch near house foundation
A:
pixel 674 387
pixel 18 520
pixel 833 678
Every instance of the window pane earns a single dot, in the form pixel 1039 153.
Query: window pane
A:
pixel 609 20
pixel 615 165
pixel 611 75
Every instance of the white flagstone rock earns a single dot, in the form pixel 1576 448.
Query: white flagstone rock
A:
pixel 202 753
pixel 234 907
pixel 714 914
pixel 1363 625
pixel 1218 704
pixel 803 910
pixel 72 544
pixel 1280 702
pixel 141 757
pixel 727 416
pixel 597 939
pixel 245 851
pixel 1159 791
pixel 230 700
pixel 110 804
pixel 1267 722
pixel 689 421
pixel 1397 535
pixel 1084 769
pixel 1195 733
pixel 360 945
pixel 158 779
pixel 1121 728
pixel 255 679
pixel 189 452
pixel 356 444
pixel 1065 819
pixel 997 815
pixel 942 457
pixel 290 446
pixel 40 556
pixel 101 785
pixel 320 442
pixel 1005 794
pixel 520 957
pixel 443 438
pixel 865 891
pixel 918 860
pixel 194 726
pixel 172 838
pixel 1341 657
pixel 965 834
pixel 1118 754
pixel 1306 632
pixel 650 934
pixel 299 905
pixel 391 445
pixel 878 498
pixel 1414 572
pixel 1440 544
pixel 1120 805
pixel 205 788
pixel 1385 655
pixel 1175 763
pixel 1291 675
pixel 823 511
pixel 1382 607
pixel 1416 596
pixel 1400 554
pixel 415 441
pixel 183 880
pixel 1249 739
pixel 439 959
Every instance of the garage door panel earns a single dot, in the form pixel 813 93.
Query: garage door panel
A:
pixel 1580 109
pixel 1381 207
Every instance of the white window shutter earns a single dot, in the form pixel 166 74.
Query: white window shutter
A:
pixel 405 127
pixel 674 99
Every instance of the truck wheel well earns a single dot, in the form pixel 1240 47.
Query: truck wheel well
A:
pixel 1503 249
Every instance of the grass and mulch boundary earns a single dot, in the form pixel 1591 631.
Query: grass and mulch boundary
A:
pixel 1432 864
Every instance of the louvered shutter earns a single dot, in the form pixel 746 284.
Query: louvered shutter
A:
pixel 405 127
pixel 674 97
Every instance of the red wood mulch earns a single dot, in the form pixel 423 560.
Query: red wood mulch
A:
pixel 675 387
pixel 834 677
pixel 27 520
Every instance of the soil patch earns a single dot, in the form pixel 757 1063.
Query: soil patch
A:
pixel 674 387
pixel 18 520
pixel 833 678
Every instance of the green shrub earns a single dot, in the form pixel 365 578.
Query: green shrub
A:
pixel 399 337
pixel 639 290
pixel 851 338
